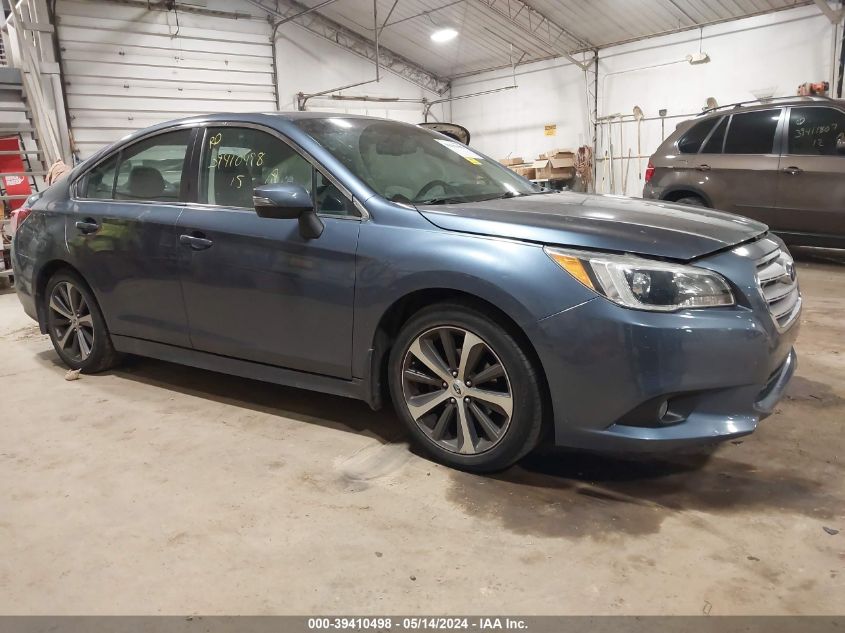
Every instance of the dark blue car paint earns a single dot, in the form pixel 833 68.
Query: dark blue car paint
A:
pixel 265 303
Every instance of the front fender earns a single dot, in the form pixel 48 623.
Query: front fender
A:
pixel 395 261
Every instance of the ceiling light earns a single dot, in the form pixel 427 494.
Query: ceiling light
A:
pixel 444 35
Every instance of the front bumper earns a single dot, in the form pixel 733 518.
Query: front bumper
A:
pixel 719 370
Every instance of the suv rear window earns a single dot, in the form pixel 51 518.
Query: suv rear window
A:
pixel 814 131
pixel 752 132
pixel 692 140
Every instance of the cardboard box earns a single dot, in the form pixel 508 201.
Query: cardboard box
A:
pixel 510 162
pixel 526 171
pixel 555 168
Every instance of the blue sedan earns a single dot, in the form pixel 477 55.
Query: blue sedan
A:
pixel 382 261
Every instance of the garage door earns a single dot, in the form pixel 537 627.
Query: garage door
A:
pixel 127 67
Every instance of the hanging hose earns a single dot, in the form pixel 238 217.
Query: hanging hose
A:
pixel 584 166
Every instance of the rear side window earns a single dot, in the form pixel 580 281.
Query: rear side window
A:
pixel 692 140
pixel 752 132
pixel 98 184
pixel 814 131
pixel 717 139
pixel 149 170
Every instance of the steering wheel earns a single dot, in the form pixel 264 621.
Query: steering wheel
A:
pixel 429 185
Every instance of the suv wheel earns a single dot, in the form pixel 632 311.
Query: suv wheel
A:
pixel 694 201
pixel 76 325
pixel 466 390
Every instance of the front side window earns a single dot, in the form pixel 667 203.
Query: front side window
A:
pixel 405 163
pixel 236 160
pixel 691 141
pixel 752 132
pixel 815 131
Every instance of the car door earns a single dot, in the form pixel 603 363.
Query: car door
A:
pixel 122 236
pixel 740 173
pixel 254 287
pixel 811 180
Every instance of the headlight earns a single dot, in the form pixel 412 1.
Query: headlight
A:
pixel 644 284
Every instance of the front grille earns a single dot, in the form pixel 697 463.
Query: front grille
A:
pixel 779 287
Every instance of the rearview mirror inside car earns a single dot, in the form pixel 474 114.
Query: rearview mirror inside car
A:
pixel 286 201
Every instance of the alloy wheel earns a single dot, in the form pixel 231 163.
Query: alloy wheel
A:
pixel 72 322
pixel 457 390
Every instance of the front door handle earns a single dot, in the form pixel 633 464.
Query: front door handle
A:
pixel 703 168
pixel 87 226
pixel 792 170
pixel 196 241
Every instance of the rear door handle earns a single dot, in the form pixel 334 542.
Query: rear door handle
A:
pixel 703 168
pixel 87 226
pixel 792 170
pixel 196 242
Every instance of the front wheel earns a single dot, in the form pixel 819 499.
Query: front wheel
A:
pixel 76 325
pixel 466 389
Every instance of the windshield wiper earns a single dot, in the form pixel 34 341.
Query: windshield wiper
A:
pixel 443 200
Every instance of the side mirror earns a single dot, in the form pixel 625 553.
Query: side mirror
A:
pixel 840 144
pixel 285 201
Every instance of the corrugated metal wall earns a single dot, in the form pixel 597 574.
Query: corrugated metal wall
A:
pixel 127 67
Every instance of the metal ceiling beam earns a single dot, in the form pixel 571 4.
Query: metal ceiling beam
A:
pixel 549 34
pixel 536 25
pixel 834 15
pixel 351 41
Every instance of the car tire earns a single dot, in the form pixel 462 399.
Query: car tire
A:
pixel 693 201
pixel 481 428
pixel 76 326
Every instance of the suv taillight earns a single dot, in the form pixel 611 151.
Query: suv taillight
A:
pixel 649 171
pixel 18 216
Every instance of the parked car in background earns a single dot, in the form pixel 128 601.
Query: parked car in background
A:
pixel 781 162
pixel 378 260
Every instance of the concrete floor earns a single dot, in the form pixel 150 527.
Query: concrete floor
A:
pixel 165 489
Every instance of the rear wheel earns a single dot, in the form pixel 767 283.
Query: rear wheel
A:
pixel 694 201
pixel 76 325
pixel 465 389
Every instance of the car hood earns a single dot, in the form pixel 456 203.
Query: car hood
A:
pixel 601 222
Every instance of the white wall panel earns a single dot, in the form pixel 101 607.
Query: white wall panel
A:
pixel 127 67
pixel 776 51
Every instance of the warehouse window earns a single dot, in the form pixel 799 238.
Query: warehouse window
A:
pixel 713 145
pixel 752 132
pixel 816 131
pixel 151 169
pixel 692 140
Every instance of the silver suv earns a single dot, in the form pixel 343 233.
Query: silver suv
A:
pixel 781 162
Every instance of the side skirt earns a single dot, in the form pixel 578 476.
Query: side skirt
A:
pixel 354 388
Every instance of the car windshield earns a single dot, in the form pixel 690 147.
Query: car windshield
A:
pixel 404 163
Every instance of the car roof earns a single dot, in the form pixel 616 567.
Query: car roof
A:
pixel 768 104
